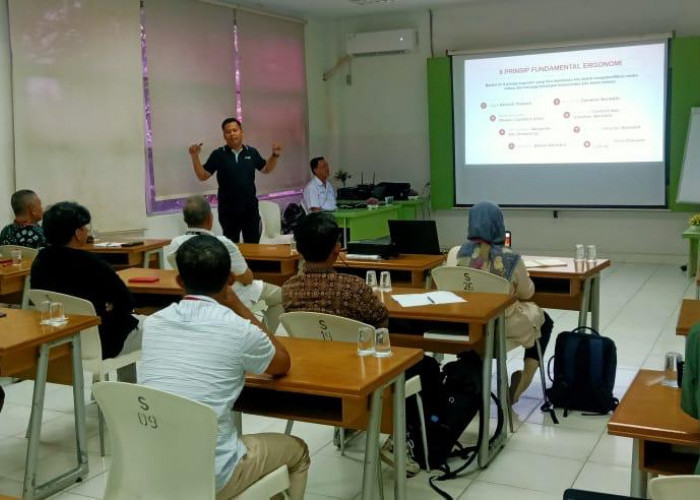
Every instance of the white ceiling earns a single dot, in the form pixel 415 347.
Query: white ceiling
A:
pixel 339 8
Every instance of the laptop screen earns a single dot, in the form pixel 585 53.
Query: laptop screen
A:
pixel 415 236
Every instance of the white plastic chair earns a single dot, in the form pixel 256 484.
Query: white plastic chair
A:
pixel 675 488
pixel 272 224
pixel 164 445
pixel 27 254
pixel 321 326
pixel 91 345
pixel 451 259
pixel 466 279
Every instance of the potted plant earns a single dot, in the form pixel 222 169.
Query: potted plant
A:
pixel 342 176
pixel 694 220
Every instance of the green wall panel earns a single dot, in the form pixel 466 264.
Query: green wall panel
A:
pixel 441 132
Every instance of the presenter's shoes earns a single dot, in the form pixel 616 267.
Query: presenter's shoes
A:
pixel 386 453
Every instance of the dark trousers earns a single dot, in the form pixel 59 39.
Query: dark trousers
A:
pixel 236 221
pixel 546 333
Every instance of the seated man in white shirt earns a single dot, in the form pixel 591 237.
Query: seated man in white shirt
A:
pixel 319 193
pixel 200 220
pixel 201 348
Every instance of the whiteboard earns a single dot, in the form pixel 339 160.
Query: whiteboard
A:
pixel 689 188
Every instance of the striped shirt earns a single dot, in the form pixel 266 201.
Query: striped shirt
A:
pixel 201 350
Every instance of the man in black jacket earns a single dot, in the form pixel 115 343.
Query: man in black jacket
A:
pixel 65 268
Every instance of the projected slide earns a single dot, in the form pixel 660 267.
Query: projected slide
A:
pixel 568 127
pixel 585 106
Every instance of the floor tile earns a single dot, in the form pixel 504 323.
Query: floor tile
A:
pixel 604 478
pixel 480 490
pixel 613 450
pixel 554 440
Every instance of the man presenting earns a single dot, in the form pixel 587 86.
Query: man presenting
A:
pixel 319 193
pixel 234 165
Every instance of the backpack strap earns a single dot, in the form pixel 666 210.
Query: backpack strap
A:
pixel 585 329
pixel 570 351
pixel 595 376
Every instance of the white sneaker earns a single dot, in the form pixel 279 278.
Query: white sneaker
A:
pixel 386 453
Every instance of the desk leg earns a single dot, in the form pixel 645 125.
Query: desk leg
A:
pixel 30 490
pixel 147 258
pixel 485 414
pixel 502 373
pixel 400 437
pixel 693 257
pixel 585 303
pixel 595 303
pixel 369 476
pixel 638 485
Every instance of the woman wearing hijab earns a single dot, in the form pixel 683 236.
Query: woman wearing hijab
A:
pixel 525 321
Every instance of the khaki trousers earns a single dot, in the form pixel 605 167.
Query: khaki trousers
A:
pixel 267 452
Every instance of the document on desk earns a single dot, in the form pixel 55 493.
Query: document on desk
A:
pixel 426 299
pixel 544 262
pixel 107 244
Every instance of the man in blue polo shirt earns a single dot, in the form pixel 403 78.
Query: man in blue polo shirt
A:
pixel 234 165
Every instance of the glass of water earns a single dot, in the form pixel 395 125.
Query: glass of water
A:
pixel 45 310
pixel 590 254
pixel 371 279
pixel 56 313
pixel 365 341
pixel 382 343
pixel 385 281
pixel 16 257
pixel 579 253
pixel 293 246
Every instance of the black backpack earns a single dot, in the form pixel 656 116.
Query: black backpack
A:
pixel 584 372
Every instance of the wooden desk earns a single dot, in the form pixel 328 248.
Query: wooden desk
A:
pixel 650 413
pixel 166 284
pixel 271 263
pixel 692 234
pixel 689 316
pixel 574 287
pixel 137 256
pixel 25 344
pixel 14 280
pixel 365 224
pixel 330 384
pixel 480 314
pixel 406 269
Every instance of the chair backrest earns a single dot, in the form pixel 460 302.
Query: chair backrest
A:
pixel 466 279
pixel 27 253
pixel 171 258
pixel 271 219
pixel 163 445
pixel 675 488
pixel 90 343
pixel 452 256
pixel 320 326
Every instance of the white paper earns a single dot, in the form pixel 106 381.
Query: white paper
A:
pixel 544 262
pixel 107 244
pixel 426 299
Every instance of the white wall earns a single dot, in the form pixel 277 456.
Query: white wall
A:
pixel 7 166
pixel 382 116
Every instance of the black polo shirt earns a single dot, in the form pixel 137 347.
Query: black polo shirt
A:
pixel 236 176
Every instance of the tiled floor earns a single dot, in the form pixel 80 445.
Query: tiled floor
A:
pixel 640 304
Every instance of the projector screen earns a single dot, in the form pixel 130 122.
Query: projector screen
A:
pixel 571 127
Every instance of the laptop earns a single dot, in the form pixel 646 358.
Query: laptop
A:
pixel 415 236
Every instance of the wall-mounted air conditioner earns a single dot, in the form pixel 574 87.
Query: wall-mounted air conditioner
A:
pixel 380 42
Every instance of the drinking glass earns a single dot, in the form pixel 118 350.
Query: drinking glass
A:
pixel 56 313
pixel 382 343
pixel 371 279
pixel 385 281
pixel 365 341
pixel 45 310
pixel 580 253
pixel 670 368
pixel 16 257
pixel 590 254
pixel 293 247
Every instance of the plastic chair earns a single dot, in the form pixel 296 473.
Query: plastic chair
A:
pixel 451 259
pixel 466 279
pixel 321 326
pixel 272 224
pixel 27 254
pixel 164 445
pixel 91 345
pixel 675 488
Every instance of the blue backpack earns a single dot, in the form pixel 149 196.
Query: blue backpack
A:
pixel 585 363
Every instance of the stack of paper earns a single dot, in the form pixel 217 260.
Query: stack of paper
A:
pixel 426 299
pixel 544 262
